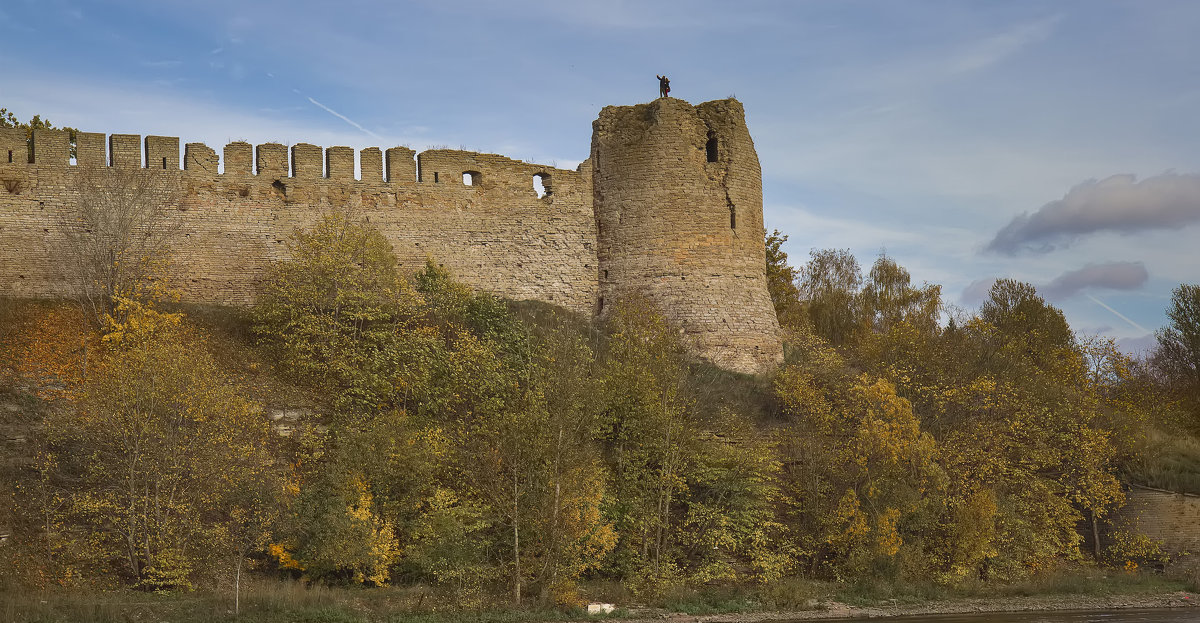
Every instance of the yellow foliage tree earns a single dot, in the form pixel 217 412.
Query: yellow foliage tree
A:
pixel 162 458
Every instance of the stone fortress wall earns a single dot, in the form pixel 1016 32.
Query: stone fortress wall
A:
pixel 1165 516
pixel 676 204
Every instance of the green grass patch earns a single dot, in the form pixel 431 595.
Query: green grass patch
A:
pixel 711 600
pixel 293 602
pixel 1071 581
pixel 268 602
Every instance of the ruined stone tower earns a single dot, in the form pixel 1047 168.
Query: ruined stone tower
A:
pixel 677 193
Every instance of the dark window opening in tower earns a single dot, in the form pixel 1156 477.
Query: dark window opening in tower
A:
pixel 732 217
pixel 710 148
pixel 10 156
pixel 164 163
pixel 471 178
pixel 435 177
pixel 541 184
pixel 600 308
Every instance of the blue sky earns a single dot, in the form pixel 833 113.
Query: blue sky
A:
pixel 1053 142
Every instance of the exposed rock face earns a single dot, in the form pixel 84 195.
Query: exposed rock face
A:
pixel 682 231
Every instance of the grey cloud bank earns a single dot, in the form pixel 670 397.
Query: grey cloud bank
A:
pixel 1112 275
pixel 1118 204
pixel 977 291
pixel 1109 275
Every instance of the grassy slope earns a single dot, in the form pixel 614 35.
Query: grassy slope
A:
pixel 1176 465
pixel 1171 462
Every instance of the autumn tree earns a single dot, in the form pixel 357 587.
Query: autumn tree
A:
pixel 1178 353
pixel 455 435
pixel 858 470
pixel 163 459
pixel 118 236
pixel 520 416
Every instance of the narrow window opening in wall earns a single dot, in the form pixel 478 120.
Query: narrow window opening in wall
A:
pixel 600 308
pixel 541 184
pixel 10 156
pixel 710 148
pixel 732 217
pixel 471 178
pixel 606 273
pixel 164 164
pixel 435 177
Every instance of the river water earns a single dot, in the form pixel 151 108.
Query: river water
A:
pixel 1188 615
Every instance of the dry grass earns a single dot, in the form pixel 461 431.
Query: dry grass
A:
pixel 1171 461
pixel 265 601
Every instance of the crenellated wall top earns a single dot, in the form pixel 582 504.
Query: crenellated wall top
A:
pixel 269 162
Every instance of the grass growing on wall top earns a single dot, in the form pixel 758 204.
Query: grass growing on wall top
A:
pixel 1171 462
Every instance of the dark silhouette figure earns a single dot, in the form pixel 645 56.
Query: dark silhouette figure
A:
pixel 664 86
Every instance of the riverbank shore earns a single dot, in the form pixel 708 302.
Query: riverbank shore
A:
pixel 1035 603
pixel 290 602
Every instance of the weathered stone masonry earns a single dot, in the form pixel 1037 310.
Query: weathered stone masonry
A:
pixel 668 207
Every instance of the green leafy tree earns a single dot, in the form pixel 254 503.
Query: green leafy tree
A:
pixel 829 285
pixel 781 281
pixel 1025 324
pixel 10 120
pixel 520 417
pixel 888 298
pixel 342 319
pixel 649 439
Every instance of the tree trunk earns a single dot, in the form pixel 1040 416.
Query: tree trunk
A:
pixel 516 548
pixel 552 559
pixel 237 588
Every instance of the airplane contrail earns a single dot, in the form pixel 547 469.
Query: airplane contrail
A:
pixel 343 118
pixel 1118 314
